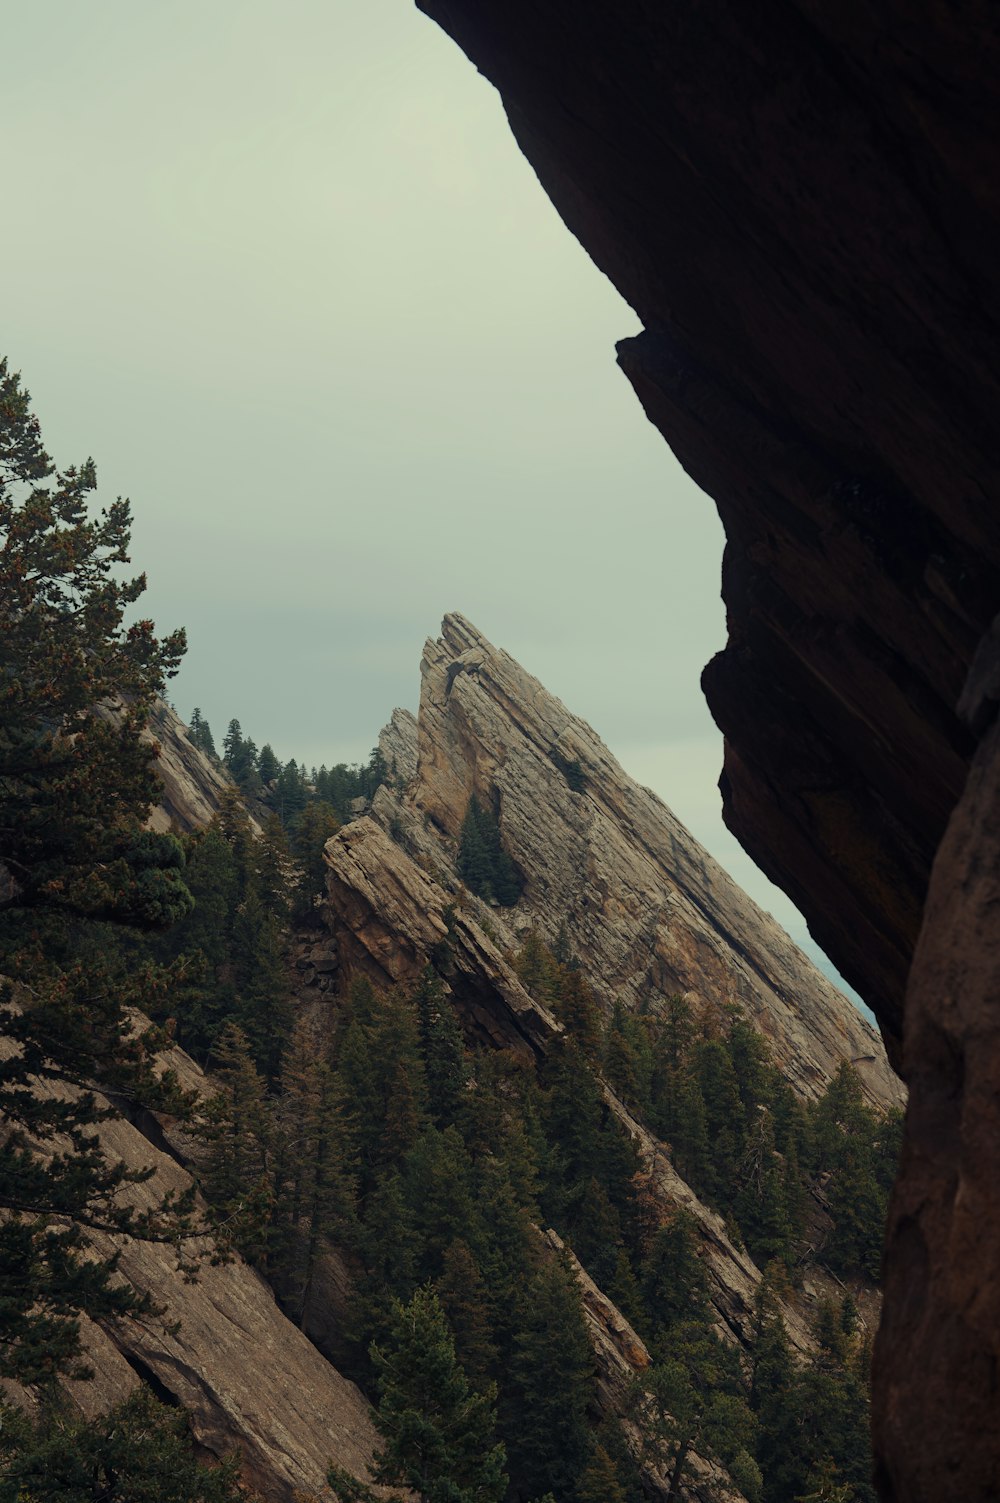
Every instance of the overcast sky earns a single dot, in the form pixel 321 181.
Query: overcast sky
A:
pixel 282 270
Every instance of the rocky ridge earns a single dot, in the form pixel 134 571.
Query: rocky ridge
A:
pixel 800 205
pixel 647 910
pixel 644 908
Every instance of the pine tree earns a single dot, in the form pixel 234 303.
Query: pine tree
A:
pixel 237 1129
pixel 483 864
pixel 310 832
pixel 597 1234
pixel 140 1452
pixel 723 1116
pixel 474 864
pixel 437 1179
pixel 315 1187
pixel 290 794
pixel 600 1482
pixel 672 1279
pixel 619 1059
pixel 441 1048
pixel 439 1434
pixel 464 1298
pixel 381 1038
pixel 578 1012
pixel 274 869
pixel 549 1383
pixel 201 734
pixel 260 976
pixel 76 784
pixel 268 765
pixel 537 970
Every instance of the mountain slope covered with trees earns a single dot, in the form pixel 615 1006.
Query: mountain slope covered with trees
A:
pixel 416 1182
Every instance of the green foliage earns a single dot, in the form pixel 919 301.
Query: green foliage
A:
pixel 439 1433
pixel 239 756
pixel 237 1128
pixel 140 1452
pixel 76 784
pixel 313 1175
pixel 549 1385
pixel 200 734
pixel 338 786
pixel 572 770
pixel 599 1482
pixel 441 1048
pixel 310 833
pixel 231 949
pixel 483 864
pixel 856 1152
pixel 465 1299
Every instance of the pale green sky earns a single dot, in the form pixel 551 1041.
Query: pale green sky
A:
pixel 282 270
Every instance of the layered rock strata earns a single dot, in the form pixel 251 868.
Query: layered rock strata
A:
pixel 249 1380
pixel 192 785
pixel 607 867
pixel 646 909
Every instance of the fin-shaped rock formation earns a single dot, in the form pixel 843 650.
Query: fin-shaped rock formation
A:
pixel 605 863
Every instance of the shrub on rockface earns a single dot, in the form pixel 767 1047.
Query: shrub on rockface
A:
pixel 483 864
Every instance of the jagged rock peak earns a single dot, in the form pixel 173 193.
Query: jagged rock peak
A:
pixel 646 909
pixel 398 744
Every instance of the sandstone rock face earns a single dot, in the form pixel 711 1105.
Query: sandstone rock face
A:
pixel 643 906
pixel 193 785
pixel 800 202
pixel 646 909
pixel 398 745
pixel 249 1379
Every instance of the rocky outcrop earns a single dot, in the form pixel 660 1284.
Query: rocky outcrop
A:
pixel 606 866
pixel 250 1381
pixel 193 785
pixel 800 204
pixel 389 917
pixel 398 745
pixel 643 905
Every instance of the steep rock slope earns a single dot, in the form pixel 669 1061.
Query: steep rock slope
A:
pixel 645 909
pixel 800 203
pixel 249 1380
pixel 193 785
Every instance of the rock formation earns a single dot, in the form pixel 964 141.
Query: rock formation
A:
pixel 643 906
pixel 249 1380
pixel 192 784
pixel 621 1358
pixel 800 203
